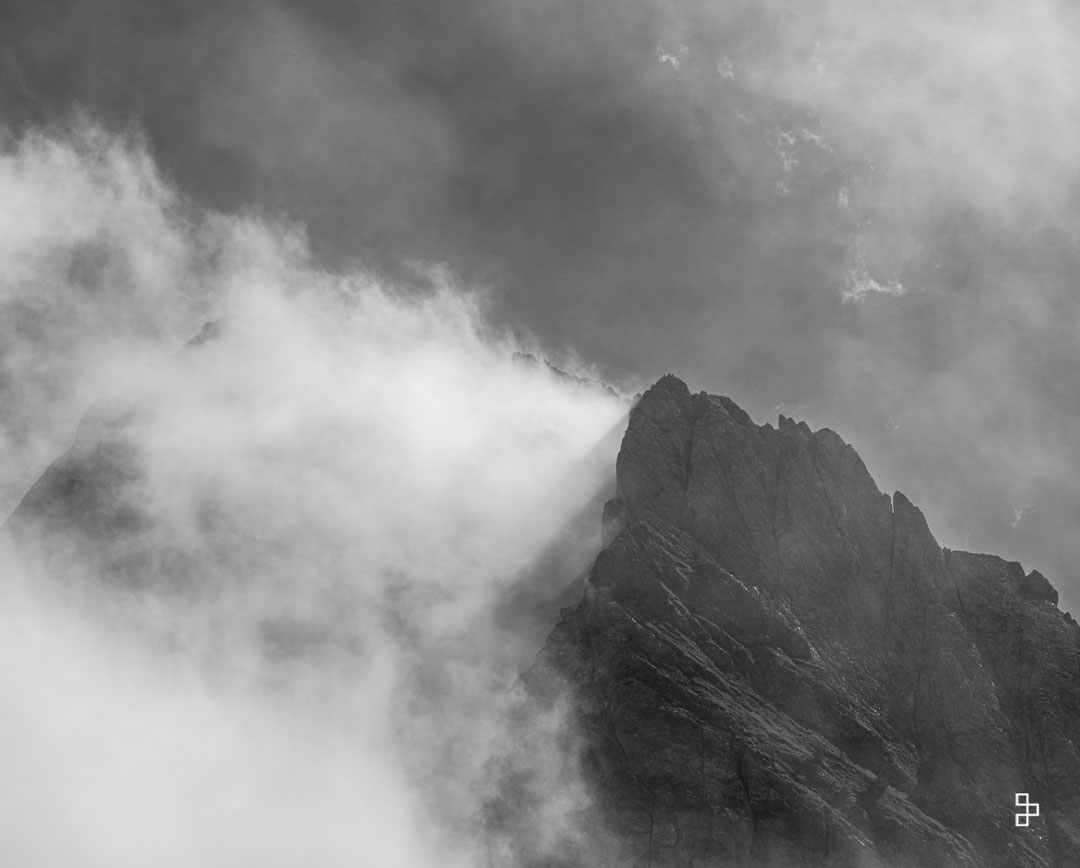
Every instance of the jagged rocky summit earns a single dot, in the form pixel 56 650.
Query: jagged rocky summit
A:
pixel 775 664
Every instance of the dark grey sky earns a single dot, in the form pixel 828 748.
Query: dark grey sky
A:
pixel 860 214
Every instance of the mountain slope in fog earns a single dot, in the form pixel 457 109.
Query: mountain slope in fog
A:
pixel 776 664
pixel 773 663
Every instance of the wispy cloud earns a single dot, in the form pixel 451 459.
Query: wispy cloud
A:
pixel 296 656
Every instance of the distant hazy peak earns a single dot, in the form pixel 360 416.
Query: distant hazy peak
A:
pixel 529 360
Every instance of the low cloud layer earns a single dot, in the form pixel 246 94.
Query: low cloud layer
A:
pixel 296 653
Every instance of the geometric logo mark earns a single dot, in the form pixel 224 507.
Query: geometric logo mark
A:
pixel 1023 801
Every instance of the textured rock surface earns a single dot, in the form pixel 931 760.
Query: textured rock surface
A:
pixel 776 664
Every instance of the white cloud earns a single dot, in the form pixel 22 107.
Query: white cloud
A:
pixel 1020 512
pixel 337 491
pixel 859 284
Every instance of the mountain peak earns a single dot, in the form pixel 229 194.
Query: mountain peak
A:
pixel 766 632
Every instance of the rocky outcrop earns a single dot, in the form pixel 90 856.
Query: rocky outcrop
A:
pixel 775 664
pixel 82 511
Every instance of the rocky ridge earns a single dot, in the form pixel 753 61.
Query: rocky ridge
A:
pixel 776 664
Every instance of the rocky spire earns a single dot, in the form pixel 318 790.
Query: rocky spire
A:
pixel 774 663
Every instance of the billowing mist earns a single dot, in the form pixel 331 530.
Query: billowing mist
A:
pixel 298 657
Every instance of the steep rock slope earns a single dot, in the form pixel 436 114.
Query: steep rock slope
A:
pixel 776 664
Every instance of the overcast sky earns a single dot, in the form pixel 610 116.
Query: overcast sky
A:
pixel 863 214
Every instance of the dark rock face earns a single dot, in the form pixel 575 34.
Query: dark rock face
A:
pixel 81 510
pixel 776 664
